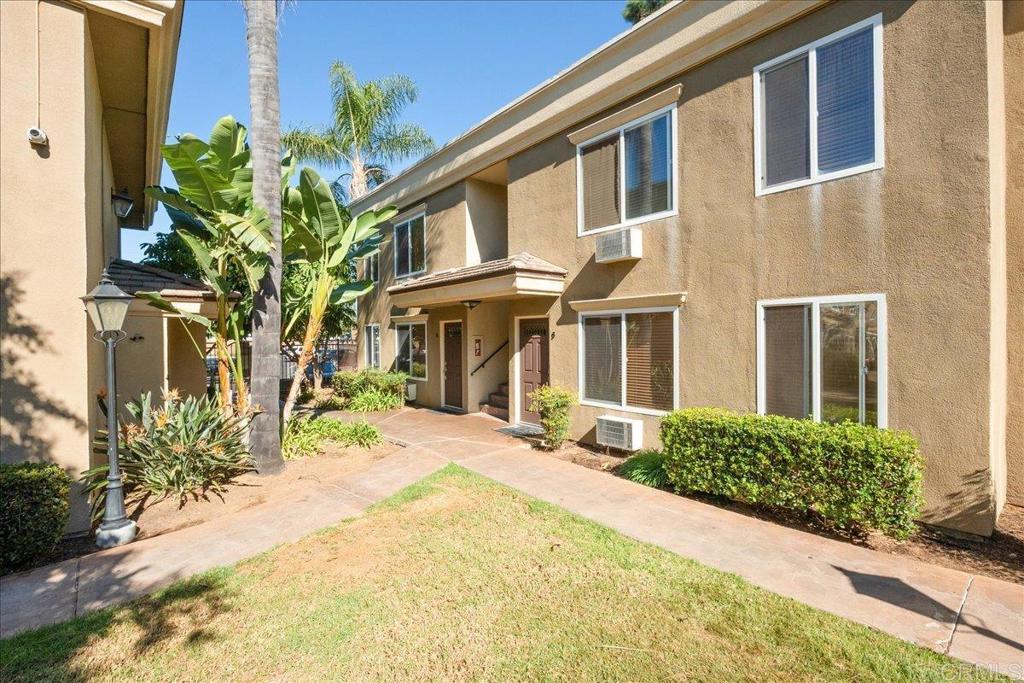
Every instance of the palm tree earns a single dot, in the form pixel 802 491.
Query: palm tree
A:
pixel 265 113
pixel 366 135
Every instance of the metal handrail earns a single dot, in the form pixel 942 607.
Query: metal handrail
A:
pixel 493 354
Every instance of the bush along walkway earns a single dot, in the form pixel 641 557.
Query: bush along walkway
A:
pixel 976 619
pixel 973 618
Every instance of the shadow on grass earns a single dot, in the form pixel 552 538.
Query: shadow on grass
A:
pixel 181 612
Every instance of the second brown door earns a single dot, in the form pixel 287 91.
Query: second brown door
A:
pixel 453 365
pixel 533 364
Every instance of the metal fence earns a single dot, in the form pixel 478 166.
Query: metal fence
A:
pixel 335 354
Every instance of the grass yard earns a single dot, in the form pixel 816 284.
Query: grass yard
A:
pixel 458 578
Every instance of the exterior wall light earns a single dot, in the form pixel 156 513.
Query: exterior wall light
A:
pixel 107 306
pixel 122 203
pixel 471 304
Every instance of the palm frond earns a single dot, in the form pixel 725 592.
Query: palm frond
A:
pixel 311 144
pixel 398 141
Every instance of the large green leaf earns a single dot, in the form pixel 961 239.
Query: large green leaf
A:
pixel 160 303
pixel 350 291
pixel 197 182
pixel 206 262
pixel 319 205
pixel 227 145
pixel 252 230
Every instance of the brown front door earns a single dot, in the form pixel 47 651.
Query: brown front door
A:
pixel 453 365
pixel 533 364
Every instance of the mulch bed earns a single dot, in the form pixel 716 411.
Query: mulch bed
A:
pixel 1001 556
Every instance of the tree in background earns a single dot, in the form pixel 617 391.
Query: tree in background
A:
pixel 265 113
pixel 322 244
pixel 366 134
pixel 636 11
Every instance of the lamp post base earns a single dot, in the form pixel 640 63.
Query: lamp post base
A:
pixel 112 537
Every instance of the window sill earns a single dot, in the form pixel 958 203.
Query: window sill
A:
pixel 626 409
pixel 417 379
pixel 835 175
pixel 399 278
pixel 630 223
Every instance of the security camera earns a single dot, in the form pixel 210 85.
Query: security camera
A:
pixel 37 136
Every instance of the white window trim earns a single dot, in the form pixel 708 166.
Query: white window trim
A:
pixel 394 241
pixel 369 350
pixel 620 131
pixel 623 312
pixel 816 302
pixel 812 77
pixel 426 347
pixel 372 274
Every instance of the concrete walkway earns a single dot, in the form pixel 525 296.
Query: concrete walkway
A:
pixel 972 618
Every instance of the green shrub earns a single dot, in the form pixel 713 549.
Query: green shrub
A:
pixel 33 512
pixel 374 400
pixel 326 399
pixel 853 476
pixel 553 404
pixel 349 383
pixel 304 437
pixel 647 468
pixel 185 447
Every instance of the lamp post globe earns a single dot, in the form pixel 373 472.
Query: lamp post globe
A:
pixel 107 306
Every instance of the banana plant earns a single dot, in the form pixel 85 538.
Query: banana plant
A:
pixel 213 212
pixel 322 241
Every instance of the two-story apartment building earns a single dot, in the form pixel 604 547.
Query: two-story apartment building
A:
pixel 801 208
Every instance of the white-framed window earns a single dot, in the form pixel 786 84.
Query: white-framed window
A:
pixel 410 246
pixel 627 175
pixel 823 358
pixel 630 359
pixel 819 112
pixel 371 345
pixel 411 349
pixel 371 268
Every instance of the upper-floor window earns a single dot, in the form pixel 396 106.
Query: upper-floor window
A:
pixel 410 246
pixel 818 112
pixel 626 176
pixel 371 268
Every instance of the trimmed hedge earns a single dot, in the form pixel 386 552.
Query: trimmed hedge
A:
pixel 853 476
pixel 34 510
pixel 350 383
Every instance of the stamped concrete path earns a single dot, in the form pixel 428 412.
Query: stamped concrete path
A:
pixel 972 618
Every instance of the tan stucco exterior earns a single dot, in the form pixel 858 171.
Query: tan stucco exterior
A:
pixel 57 226
pixel 1013 74
pixel 926 230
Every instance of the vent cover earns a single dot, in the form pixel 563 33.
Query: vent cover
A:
pixel 620 432
pixel 621 245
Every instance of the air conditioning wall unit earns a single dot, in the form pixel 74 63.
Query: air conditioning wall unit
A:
pixel 621 245
pixel 620 432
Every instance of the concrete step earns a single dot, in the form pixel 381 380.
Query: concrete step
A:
pixel 494 411
pixel 503 389
pixel 499 400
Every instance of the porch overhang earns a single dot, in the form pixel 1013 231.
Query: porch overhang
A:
pixel 517 277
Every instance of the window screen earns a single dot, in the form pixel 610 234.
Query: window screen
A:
pixel 787 348
pixel 410 247
pixel 599 164
pixel 648 168
pixel 846 103
pixel 372 336
pixel 417 256
pixel 602 358
pixel 649 360
pixel 402 249
pixel 849 362
pixel 787 147
pixel 411 351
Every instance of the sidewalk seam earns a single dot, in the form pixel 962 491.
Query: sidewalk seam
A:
pixel 956 620
pixel 78 576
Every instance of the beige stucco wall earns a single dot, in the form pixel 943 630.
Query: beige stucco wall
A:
pixel 47 258
pixel 1013 47
pixel 486 221
pixel 891 231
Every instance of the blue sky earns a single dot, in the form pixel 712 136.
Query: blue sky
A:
pixel 467 58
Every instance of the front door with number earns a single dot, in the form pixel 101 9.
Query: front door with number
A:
pixel 533 364
pixel 453 365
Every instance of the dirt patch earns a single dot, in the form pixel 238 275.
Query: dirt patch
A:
pixel 165 516
pixel 1001 556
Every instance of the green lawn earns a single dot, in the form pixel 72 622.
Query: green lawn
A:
pixel 458 578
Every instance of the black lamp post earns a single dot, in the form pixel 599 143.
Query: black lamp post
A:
pixel 108 306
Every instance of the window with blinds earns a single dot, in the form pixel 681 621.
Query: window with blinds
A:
pixel 410 247
pixel 819 109
pixel 822 359
pixel 372 342
pixel 628 359
pixel 627 176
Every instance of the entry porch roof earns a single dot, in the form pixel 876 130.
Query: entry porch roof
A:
pixel 516 277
